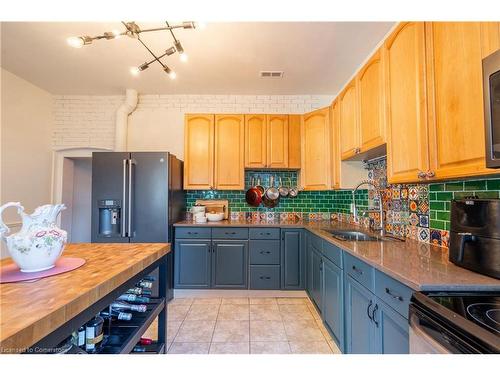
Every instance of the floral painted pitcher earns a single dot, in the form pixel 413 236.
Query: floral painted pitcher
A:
pixel 39 243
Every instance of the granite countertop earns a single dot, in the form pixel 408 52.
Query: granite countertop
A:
pixel 421 266
pixel 31 310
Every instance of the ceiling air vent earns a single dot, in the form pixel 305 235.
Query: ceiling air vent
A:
pixel 271 74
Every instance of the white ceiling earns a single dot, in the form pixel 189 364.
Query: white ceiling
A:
pixel 224 58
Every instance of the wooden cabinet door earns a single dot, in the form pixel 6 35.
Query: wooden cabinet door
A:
pixel 277 141
pixel 490 37
pixel 255 141
pixel 229 152
pixel 230 264
pixel 334 145
pixel 407 124
pixel 294 144
pixel 349 136
pixel 315 173
pixel 192 264
pixel 292 259
pixel 454 78
pixel 333 300
pixel 371 104
pixel 199 152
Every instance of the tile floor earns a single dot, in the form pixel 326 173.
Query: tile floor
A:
pixel 246 326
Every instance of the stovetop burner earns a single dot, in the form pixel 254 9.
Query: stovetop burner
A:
pixel 481 308
pixel 487 314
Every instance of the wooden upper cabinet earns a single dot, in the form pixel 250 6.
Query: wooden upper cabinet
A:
pixel 294 144
pixel 277 141
pixel 199 152
pixel 371 104
pixel 454 78
pixel 349 137
pixel 229 152
pixel 316 157
pixel 255 141
pixel 334 145
pixel 407 127
pixel 490 37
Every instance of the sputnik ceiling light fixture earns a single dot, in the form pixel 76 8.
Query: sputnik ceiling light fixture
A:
pixel 133 31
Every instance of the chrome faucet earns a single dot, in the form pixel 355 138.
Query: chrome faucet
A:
pixel 380 210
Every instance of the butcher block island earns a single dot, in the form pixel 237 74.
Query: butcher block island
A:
pixel 37 316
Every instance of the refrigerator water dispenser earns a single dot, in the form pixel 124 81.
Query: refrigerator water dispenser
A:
pixel 109 217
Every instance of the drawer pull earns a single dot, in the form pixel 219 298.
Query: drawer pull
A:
pixel 265 277
pixel 267 233
pixel 193 233
pixel 357 270
pixel 395 296
pixel 265 252
pixel 230 233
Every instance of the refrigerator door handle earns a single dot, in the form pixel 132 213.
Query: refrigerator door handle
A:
pixel 130 195
pixel 124 199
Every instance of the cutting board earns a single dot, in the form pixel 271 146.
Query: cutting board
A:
pixel 215 205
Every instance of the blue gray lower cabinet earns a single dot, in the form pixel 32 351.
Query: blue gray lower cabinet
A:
pixel 264 277
pixel 333 301
pixel 293 273
pixel 392 330
pixel 230 264
pixel 316 291
pixel 360 333
pixel 192 263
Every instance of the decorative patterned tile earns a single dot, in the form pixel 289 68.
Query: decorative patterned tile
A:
pixel 435 237
pixel 445 238
pixel 413 206
pixel 423 234
pixel 413 192
pixel 396 205
pixel 423 207
pixel 423 221
pixel 404 193
pixel 413 219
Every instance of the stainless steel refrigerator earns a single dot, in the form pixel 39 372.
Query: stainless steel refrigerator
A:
pixel 136 197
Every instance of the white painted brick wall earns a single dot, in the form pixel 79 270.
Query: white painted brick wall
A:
pixel 88 121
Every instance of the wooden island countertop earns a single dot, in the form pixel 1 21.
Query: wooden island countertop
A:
pixel 29 311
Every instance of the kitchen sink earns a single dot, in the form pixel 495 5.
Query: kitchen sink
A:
pixel 352 235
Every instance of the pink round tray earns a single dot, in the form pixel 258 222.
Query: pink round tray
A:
pixel 11 273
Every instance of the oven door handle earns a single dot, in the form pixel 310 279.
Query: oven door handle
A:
pixel 415 330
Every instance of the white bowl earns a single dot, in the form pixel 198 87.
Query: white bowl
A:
pixel 215 217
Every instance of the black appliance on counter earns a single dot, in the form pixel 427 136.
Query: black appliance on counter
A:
pixel 451 322
pixel 136 197
pixel 475 235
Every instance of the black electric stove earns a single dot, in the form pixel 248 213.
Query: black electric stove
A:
pixel 457 322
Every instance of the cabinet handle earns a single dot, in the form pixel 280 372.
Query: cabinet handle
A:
pixel 266 233
pixel 265 252
pixel 230 233
pixel 368 310
pixel 430 174
pixel 357 270
pixel 265 277
pixel 321 266
pixel 395 296
pixel 421 175
pixel 373 314
pixel 193 233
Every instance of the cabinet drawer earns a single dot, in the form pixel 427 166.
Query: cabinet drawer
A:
pixel 392 292
pixel 264 233
pixel 333 253
pixel 264 277
pixel 230 233
pixel 316 242
pixel 359 271
pixel 193 232
pixel 264 252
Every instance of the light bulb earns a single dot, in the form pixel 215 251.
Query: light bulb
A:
pixel 183 57
pixel 172 75
pixel 116 33
pixel 134 71
pixel 75 42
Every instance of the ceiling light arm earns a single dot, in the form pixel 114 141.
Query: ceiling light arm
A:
pixel 155 58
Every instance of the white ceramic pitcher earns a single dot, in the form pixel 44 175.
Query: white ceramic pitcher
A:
pixel 39 243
